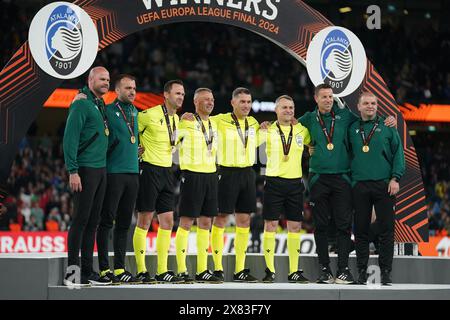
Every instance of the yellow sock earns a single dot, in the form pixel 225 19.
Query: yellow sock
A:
pixel 181 243
pixel 240 246
pixel 202 249
pixel 118 271
pixel 162 249
pixel 217 246
pixel 293 246
pixel 269 249
pixel 140 245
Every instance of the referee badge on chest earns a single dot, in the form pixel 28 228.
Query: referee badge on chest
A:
pixel 251 132
pixel 299 139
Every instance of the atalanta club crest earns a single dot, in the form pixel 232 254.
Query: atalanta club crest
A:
pixel 336 56
pixel 63 40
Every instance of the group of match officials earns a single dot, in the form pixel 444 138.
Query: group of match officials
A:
pixel 120 161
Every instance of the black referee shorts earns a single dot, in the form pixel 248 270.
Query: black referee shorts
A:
pixel 198 194
pixel 283 197
pixel 237 190
pixel 156 189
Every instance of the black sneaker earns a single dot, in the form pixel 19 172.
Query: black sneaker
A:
pixel 168 277
pixel 207 277
pixel 344 277
pixel 219 274
pixel 111 277
pixel 325 276
pixel 362 278
pixel 297 277
pixel 95 280
pixel 127 278
pixel 386 278
pixel 244 276
pixel 145 278
pixel 186 277
pixel 269 277
pixel 72 283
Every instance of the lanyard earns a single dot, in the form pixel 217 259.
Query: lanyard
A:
pixel 286 146
pixel 169 129
pixel 365 140
pixel 238 127
pixel 328 136
pixel 130 126
pixel 205 134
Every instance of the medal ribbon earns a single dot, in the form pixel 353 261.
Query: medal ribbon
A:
pixel 205 134
pixel 329 136
pixel 238 127
pixel 363 134
pixel 169 129
pixel 101 108
pixel 286 146
pixel 129 126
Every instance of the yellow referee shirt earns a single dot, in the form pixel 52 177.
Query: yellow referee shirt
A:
pixel 276 166
pixel 231 151
pixel 194 155
pixel 154 136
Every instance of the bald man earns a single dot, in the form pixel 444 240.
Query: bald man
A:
pixel 85 146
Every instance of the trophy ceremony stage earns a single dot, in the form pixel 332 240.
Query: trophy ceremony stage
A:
pixel 39 276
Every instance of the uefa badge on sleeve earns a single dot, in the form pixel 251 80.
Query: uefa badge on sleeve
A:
pixel 337 57
pixel 63 40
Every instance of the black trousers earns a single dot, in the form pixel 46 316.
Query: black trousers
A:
pixel 367 194
pixel 331 196
pixel 117 211
pixel 86 214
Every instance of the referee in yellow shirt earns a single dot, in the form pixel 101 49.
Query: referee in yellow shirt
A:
pixel 157 130
pixel 236 153
pixel 283 190
pixel 199 185
pixel 237 181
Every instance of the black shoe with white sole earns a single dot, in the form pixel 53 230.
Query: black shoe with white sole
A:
pixel 168 277
pixel 344 277
pixel 244 276
pixel 325 276
pixel 297 277
pixel 95 280
pixel 108 275
pixel 145 278
pixel 127 278
pixel 207 277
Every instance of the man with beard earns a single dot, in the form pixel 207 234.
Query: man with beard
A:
pixel 157 129
pixel 122 165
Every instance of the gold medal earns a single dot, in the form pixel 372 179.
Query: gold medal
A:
pixel 365 148
pixel 330 146
pixel 285 158
pixel 106 132
pixel 133 139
